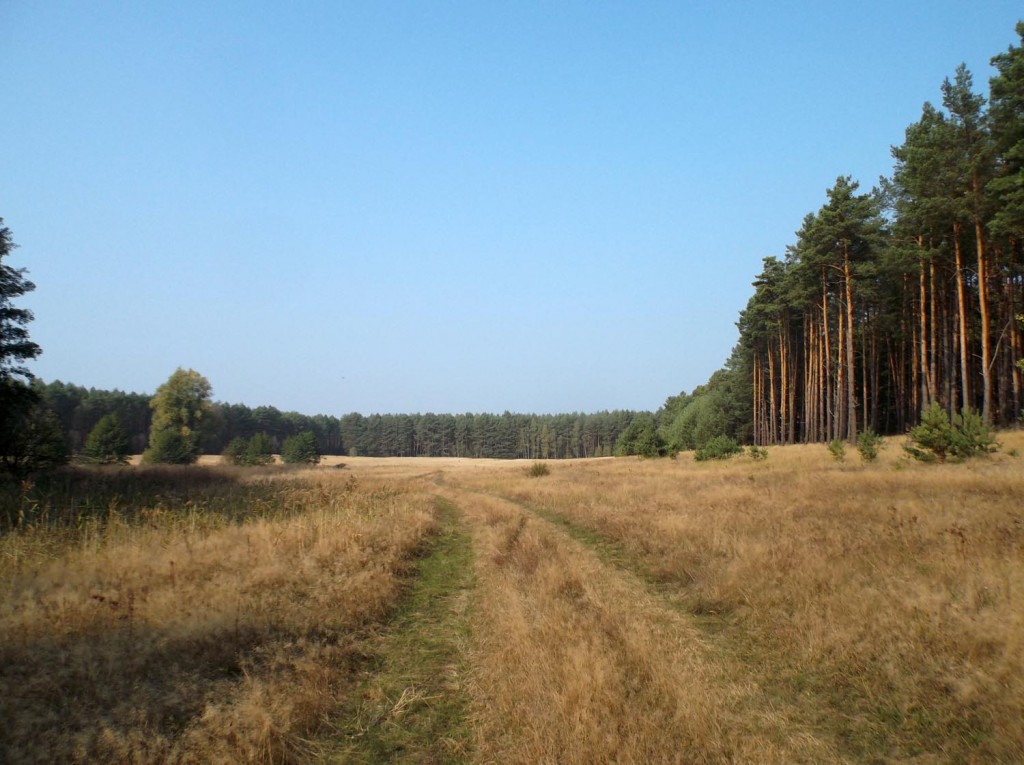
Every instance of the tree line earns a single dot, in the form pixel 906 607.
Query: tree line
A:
pixel 892 300
pixel 504 436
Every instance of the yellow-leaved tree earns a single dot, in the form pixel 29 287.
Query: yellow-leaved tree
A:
pixel 180 407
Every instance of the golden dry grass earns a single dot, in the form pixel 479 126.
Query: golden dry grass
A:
pixel 164 642
pixel 620 610
pixel 576 663
pixel 885 600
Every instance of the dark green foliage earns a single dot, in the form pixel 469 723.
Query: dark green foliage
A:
pixel 258 450
pixel 868 444
pixel 719 407
pixel 971 436
pixel 718 448
pixel 170 447
pixel 300 449
pixel 17 400
pixel 937 439
pixel 837 448
pixel 80 409
pixel 1006 117
pixel 32 440
pixel 15 345
pixel 538 470
pixel 931 439
pixel 234 452
pixel 640 438
pixel 107 443
pixel 504 436
pixel 30 436
pixel 702 419
pixel 758 453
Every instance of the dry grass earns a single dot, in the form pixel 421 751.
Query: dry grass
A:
pixel 887 600
pixel 168 640
pixel 791 610
pixel 576 663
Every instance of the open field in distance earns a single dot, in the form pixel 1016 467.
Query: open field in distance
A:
pixel 795 609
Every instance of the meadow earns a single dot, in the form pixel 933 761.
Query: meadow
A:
pixel 793 609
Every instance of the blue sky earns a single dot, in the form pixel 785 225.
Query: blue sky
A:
pixel 410 207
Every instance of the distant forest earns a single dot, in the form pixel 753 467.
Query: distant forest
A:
pixel 504 436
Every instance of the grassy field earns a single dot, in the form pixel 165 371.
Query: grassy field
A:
pixel 795 609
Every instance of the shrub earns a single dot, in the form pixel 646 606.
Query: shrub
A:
pixel 971 437
pixel 170 447
pixel 868 444
pixel 936 438
pixel 107 443
pixel 757 453
pixel 301 449
pixel 718 448
pixel 234 452
pixel 538 470
pixel 258 450
pixel 31 440
pixel 837 448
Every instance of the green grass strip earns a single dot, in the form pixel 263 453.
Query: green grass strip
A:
pixel 413 706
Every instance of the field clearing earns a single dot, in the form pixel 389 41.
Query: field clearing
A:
pixel 795 609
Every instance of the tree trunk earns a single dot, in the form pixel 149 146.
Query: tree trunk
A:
pixel 962 313
pixel 757 408
pixel 773 434
pixel 986 364
pixel 851 381
pixel 827 379
pixel 933 355
pixel 1014 347
pixel 923 329
pixel 783 384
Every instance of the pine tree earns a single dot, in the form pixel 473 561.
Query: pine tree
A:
pixel 107 443
pixel 301 449
pixel 30 435
pixel 1006 118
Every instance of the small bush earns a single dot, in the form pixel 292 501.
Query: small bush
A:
pixel 837 448
pixel 538 470
pixel 234 452
pixel 971 437
pixel 718 448
pixel 301 449
pixel 258 450
pixel 936 438
pixel 757 453
pixel 868 445
pixel 170 447
pixel 107 443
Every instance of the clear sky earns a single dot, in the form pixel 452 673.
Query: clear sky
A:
pixel 438 206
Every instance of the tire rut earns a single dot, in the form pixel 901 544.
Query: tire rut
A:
pixel 617 669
